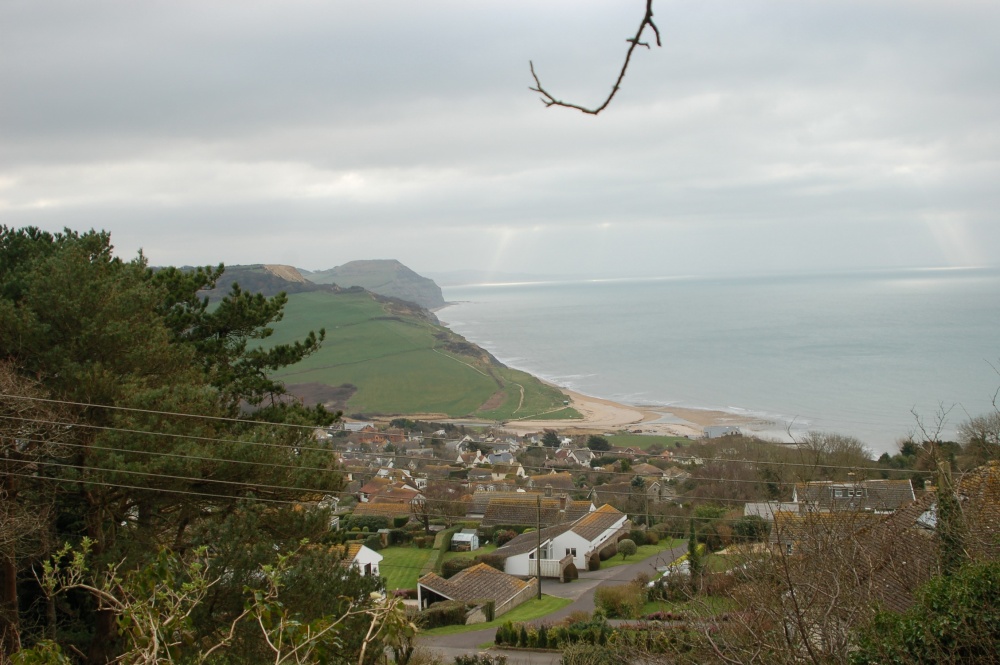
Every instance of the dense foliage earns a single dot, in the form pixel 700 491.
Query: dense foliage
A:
pixel 98 357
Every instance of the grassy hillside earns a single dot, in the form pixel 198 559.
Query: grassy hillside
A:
pixel 386 359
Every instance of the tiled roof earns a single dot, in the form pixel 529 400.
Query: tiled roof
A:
pixel 480 582
pixel 482 499
pixel 389 510
pixel 559 481
pixel 529 541
pixel 577 509
pixel 593 524
pixel 647 470
pixel 375 485
pixel 521 510
pixel 877 495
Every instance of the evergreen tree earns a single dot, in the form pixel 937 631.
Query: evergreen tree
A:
pixel 121 347
pixel 694 559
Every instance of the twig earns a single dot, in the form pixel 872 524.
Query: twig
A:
pixel 633 42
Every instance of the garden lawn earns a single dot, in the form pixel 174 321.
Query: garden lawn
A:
pixel 529 611
pixel 643 552
pixel 401 566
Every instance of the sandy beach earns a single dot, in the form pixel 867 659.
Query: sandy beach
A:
pixel 601 415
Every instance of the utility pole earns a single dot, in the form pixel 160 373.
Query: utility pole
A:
pixel 538 547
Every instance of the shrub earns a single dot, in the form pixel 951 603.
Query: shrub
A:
pixel 652 538
pixel 503 537
pixel 445 613
pixel 522 638
pixel 492 560
pixel 399 537
pixel 627 548
pixel 594 562
pixel 751 529
pixel 374 542
pixel 481 659
pixel 620 602
pixel 366 523
pixel 608 552
pixel 400 521
pixel 718 584
pixel 587 654
pixel 571 573
pixel 452 567
pixel 637 537
pixel 542 641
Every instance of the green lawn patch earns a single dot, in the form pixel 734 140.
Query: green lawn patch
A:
pixel 401 566
pixel 700 606
pixel 643 552
pixel 529 611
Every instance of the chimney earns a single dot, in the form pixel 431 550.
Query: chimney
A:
pixel 562 503
pixel 548 490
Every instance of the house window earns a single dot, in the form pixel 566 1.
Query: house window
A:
pixel 839 492
pixel 571 551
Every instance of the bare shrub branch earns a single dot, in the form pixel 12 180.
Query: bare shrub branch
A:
pixel 647 22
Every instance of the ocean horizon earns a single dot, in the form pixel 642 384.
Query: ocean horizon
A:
pixel 877 355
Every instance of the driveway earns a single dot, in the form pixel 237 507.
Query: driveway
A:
pixel 581 592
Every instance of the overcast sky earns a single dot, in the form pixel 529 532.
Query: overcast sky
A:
pixel 764 136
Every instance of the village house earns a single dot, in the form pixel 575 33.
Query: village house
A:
pixel 879 496
pixel 475 585
pixel 573 542
pixel 361 558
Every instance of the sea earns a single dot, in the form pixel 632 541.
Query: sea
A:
pixel 878 355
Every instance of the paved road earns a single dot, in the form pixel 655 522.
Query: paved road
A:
pixel 581 592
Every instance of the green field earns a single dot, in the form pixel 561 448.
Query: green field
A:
pixel 644 441
pixel 402 364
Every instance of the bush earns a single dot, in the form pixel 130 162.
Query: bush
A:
pixel 608 552
pixel 374 542
pixel 366 523
pixel 588 654
pixel 400 521
pixel 620 602
pixel 637 537
pixel 718 584
pixel 571 573
pixel 751 529
pixel 452 567
pixel 445 613
pixel 492 560
pixel 481 659
pixel 503 537
pixel 627 548
pixel 594 562
pixel 652 538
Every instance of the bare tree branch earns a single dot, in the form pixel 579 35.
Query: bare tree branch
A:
pixel 633 42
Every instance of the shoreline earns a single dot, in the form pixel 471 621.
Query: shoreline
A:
pixel 604 415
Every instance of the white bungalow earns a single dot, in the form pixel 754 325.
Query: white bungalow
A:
pixel 562 544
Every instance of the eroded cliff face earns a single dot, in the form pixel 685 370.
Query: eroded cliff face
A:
pixel 384 277
pixel 285 272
